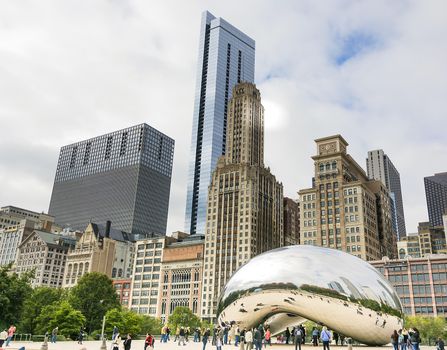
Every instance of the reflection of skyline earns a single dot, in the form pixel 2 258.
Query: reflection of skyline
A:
pixel 316 266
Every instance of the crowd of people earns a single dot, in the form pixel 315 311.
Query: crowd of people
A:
pixel 404 339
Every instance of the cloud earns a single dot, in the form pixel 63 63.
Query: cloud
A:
pixel 374 71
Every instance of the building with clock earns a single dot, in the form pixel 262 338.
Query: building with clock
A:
pixel 344 209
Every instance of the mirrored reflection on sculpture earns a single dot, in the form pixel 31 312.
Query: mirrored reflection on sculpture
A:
pixel 287 286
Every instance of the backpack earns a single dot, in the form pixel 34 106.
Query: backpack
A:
pixel 298 333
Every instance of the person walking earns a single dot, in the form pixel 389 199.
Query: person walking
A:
pixel 81 336
pixel 127 342
pixel 440 344
pixel 326 337
pixel 114 332
pixel 149 341
pixel 287 334
pixel 298 338
pixel 163 334
pixel 315 335
pixel 177 334
pixel 116 342
pixel 267 338
pixel 11 331
pixel 395 340
pixel 248 340
pixel 3 337
pixel 415 338
pixel 181 338
pixel 205 337
pixel 168 333
pixel 257 339
pixel 54 335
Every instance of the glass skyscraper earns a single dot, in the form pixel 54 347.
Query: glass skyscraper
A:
pixel 124 177
pixel 436 196
pixel 226 57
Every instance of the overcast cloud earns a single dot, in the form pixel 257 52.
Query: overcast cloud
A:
pixel 374 71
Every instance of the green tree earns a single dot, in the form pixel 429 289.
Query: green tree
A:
pixel 94 295
pixel 13 292
pixel 151 325
pixel 62 315
pixel 125 320
pixel 33 305
pixel 183 317
pixel 430 328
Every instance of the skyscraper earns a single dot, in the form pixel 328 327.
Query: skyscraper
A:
pixel 245 201
pixel 344 209
pixel 380 167
pixel 124 177
pixel 226 57
pixel 436 196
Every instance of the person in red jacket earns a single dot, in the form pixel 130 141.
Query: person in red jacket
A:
pixel 149 341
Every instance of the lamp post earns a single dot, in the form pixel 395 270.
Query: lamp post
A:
pixel 103 339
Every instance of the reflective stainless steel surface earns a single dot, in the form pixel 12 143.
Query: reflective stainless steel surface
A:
pixel 286 286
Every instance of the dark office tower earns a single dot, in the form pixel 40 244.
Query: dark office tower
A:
pixel 124 177
pixel 436 195
pixel 380 167
pixel 226 57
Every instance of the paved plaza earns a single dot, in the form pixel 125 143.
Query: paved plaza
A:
pixel 139 345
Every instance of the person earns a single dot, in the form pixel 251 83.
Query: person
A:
pixel 181 336
pixel 225 335
pixel 298 338
pixel 303 332
pixel 257 339
pixel 219 341
pixel 237 336
pixel 205 337
pixel 287 334
pixel 196 335
pixel 248 339
pixel 401 341
pixel 415 338
pixel 336 338
pixel 163 334
pixel 3 337
pixel 54 335
pixel 315 335
pixel 187 333
pixel 242 339
pixel 81 336
pixel 395 340
pixel 149 341
pixel 116 342
pixel 177 334
pixel 231 334
pixel 325 337
pixel 168 332
pixel 267 338
pixel 342 339
pixel 114 332
pixel 440 344
pixel 405 335
pixel 127 342
pixel 11 331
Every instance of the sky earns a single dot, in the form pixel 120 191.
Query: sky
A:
pixel 374 71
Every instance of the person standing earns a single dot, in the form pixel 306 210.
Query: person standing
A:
pixel 168 332
pixel 248 340
pixel 395 340
pixel 242 339
pixel 225 335
pixel 303 334
pixel 127 342
pixel 267 338
pixel 81 336
pixel 54 335
pixel 116 342
pixel 315 336
pixel 149 341
pixel 326 337
pixel 181 338
pixel 298 338
pixel 415 338
pixel 114 332
pixel 11 331
pixel 287 334
pixel 219 340
pixel 257 339
pixel 205 337
pixel 440 344
pixel 3 337
pixel 336 338
pixel 237 336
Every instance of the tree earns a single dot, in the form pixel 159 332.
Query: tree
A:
pixel 61 315
pixel 125 320
pixel 94 295
pixel 429 327
pixel 183 317
pixel 151 325
pixel 33 305
pixel 13 291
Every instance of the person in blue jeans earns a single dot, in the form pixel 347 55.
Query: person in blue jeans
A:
pixel 415 338
pixel 326 337
pixel 54 335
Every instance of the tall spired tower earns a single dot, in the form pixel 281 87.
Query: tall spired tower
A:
pixel 245 202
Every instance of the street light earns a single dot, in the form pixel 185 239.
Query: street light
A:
pixel 103 345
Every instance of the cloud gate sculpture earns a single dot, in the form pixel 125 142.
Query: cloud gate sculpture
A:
pixel 287 286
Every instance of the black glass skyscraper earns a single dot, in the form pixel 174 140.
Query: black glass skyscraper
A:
pixel 124 177
pixel 436 195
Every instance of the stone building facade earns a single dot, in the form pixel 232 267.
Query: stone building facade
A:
pixel 291 222
pixel 344 209
pixel 245 201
